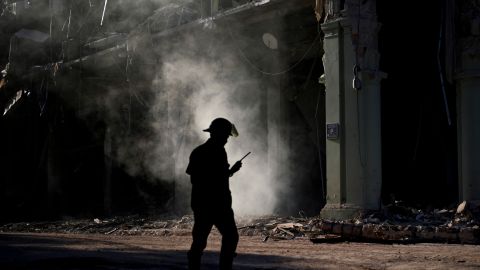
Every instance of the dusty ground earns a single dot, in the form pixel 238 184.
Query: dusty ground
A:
pixel 97 251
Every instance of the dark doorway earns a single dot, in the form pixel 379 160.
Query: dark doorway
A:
pixel 419 153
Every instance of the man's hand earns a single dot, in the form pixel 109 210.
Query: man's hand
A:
pixel 236 167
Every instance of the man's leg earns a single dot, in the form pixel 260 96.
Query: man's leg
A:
pixel 227 227
pixel 200 232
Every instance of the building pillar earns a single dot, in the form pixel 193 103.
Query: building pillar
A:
pixel 353 145
pixel 468 113
pixel 335 153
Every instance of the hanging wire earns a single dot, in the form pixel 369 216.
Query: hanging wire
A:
pixel 103 13
pixel 440 71
pixel 130 113
pixel 357 86
pixel 180 146
pixel 42 108
pixel 272 73
pixel 85 19
pixel 319 149
pixel 50 7
pixel 317 128
pixel 69 20
pixel 10 50
pixel 320 157
pixel 129 61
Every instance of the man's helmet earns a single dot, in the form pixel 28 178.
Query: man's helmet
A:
pixel 222 125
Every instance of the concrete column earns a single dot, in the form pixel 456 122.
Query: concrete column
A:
pixel 354 158
pixel 468 112
pixel 335 162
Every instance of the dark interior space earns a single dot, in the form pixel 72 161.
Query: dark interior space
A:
pixel 419 156
pixel 53 165
pixel 307 121
pixel 22 140
pixel 58 157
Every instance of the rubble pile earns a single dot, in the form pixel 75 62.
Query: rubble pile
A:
pixel 394 223
pixel 281 228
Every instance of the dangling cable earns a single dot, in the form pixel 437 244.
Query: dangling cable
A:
pixel 69 20
pixel 440 71
pixel 255 67
pixel 357 85
pixel 103 13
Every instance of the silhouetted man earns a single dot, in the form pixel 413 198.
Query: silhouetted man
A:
pixel 211 199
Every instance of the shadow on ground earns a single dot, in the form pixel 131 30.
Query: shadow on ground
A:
pixel 53 252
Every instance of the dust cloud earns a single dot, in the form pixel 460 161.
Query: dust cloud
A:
pixel 217 83
pixel 201 75
pixel 197 77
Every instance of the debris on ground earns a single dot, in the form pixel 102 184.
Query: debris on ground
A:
pixel 127 225
pixel 394 223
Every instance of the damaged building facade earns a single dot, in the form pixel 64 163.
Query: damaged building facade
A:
pixel 401 88
pixel 345 105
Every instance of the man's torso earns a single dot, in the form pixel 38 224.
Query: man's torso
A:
pixel 209 172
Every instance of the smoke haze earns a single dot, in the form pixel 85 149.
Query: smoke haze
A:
pixel 201 77
pixel 216 83
pixel 175 86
